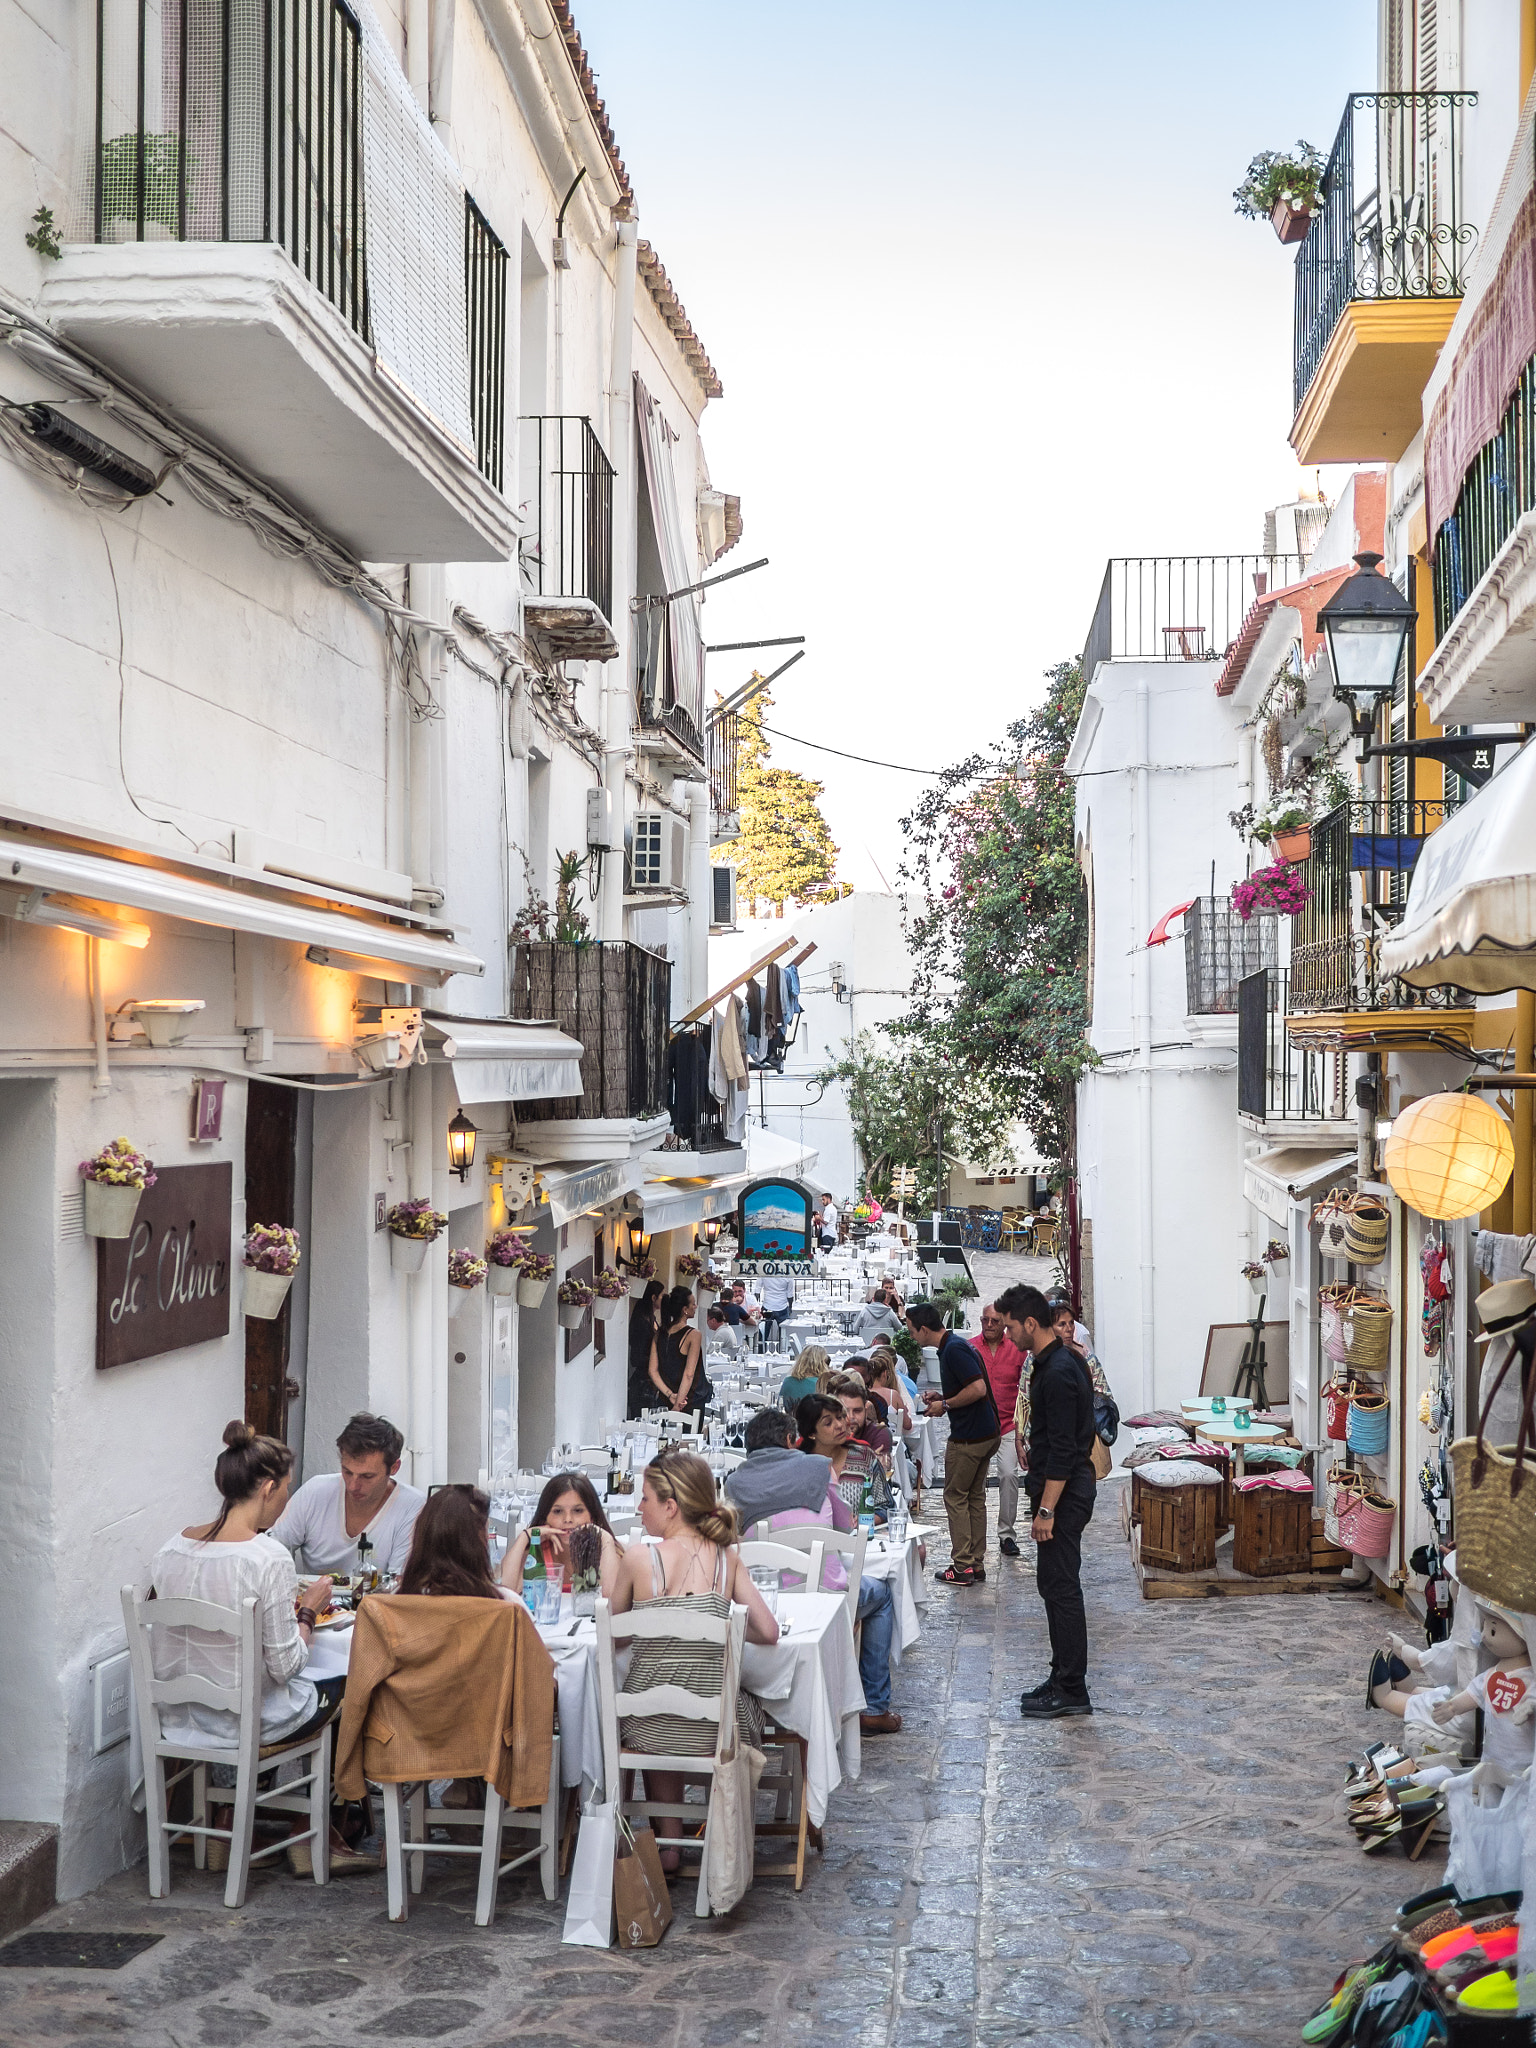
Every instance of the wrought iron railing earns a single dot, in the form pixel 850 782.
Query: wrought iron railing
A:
pixel 616 998
pixel 724 734
pixel 1357 876
pixel 1220 950
pixel 485 311
pixel 567 487
pixel 1278 1082
pixel 1178 607
pixel 1392 224
pixel 1497 490
pixel 239 121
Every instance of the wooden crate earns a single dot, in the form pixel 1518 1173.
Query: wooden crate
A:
pixel 1326 1556
pixel 1271 1532
pixel 1178 1526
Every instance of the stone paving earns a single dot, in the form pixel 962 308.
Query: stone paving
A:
pixel 1175 1870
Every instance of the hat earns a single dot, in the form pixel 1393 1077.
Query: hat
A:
pixel 1505 1307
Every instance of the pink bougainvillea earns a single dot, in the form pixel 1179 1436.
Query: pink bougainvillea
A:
pixel 1279 888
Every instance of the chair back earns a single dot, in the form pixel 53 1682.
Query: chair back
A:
pixel 779 1557
pixel 243 1698
pixel 817 1542
pixel 668 1624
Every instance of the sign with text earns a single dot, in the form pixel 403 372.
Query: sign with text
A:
pixel 773 1222
pixel 167 1285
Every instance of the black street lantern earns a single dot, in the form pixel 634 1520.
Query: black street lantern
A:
pixel 1366 622
pixel 711 1229
pixel 639 1240
pixel 461 1145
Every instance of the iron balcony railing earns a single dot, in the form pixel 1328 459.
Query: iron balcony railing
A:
pixel 616 998
pixel 1278 1082
pixel 724 736
pixel 1178 607
pixel 1220 951
pixel 485 312
pixel 1498 489
pixel 1357 876
pixel 568 491
pixel 1392 224
pixel 236 121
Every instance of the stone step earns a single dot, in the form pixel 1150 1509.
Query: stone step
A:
pixel 29 1854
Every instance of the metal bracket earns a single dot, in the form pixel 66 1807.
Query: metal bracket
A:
pixel 1469 755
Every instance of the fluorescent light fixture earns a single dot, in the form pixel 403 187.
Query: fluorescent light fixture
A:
pixel 69 914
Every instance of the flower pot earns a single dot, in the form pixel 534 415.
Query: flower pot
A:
pixel 1259 1283
pixel 1291 224
pixel 501 1279
pixel 265 1293
pixel 109 1209
pixel 637 1289
pixel 408 1254
pixel 584 1604
pixel 606 1310
pixel 1293 846
pixel 572 1315
pixel 530 1292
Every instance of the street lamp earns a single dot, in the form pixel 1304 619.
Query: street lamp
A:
pixel 711 1228
pixel 1366 622
pixel 639 1240
pixel 461 1145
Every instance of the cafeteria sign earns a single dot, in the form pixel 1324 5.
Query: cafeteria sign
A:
pixel 167 1284
pixel 773 1227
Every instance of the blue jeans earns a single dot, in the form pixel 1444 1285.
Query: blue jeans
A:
pixel 877 1611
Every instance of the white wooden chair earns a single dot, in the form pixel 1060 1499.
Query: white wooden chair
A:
pixel 407 1818
pixel 647 1623
pixel 246 1755
pixel 819 1542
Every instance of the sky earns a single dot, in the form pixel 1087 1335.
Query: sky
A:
pixel 984 314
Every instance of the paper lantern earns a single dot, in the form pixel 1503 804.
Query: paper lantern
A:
pixel 1449 1156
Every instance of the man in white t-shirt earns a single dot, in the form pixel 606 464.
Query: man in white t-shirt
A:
pixel 826 1223
pixel 778 1293
pixel 331 1514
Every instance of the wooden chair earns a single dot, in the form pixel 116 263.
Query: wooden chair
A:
pixel 246 1754
pixel 815 1542
pixel 407 1818
pixel 1045 1237
pixel 646 1623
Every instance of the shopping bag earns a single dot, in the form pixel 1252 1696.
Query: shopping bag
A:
pixel 729 1840
pixel 1487 1835
pixel 589 1908
pixel 643 1909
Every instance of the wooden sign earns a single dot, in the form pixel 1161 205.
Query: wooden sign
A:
pixel 167 1285
pixel 577 1340
pixel 773 1222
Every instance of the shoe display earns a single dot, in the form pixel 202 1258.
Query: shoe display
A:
pixel 1335 2015
pixel 1054 1705
pixel 1007 1543
pixel 1496 1992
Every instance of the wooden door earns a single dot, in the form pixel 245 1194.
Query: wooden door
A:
pixel 271 1132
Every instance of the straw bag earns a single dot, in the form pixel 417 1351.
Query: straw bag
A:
pixel 1369 1426
pixel 1328 1220
pixel 1336 1407
pixel 1365 1524
pixel 1356 1327
pixel 1367 1225
pixel 1340 1487
pixel 1496 1507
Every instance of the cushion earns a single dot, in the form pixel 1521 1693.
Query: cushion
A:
pixel 1158 1418
pixel 1173 1472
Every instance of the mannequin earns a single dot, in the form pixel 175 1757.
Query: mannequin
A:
pixel 1448 1666
pixel 1506 1694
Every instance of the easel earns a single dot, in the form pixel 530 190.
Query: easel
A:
pixel 1250 1385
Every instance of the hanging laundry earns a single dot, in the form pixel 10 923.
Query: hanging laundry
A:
pixel 719 1080
pixel 733 1047
pixel 791 987
pixel 757 1037
pixel 1501 1256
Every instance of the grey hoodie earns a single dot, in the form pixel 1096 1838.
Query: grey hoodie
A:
pixel 772 1481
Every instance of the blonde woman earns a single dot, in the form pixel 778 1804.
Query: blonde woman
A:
pixel 812 1362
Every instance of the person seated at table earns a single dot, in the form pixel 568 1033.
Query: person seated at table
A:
pixel 879 1318
pixel 811 1362
pixel 860 1456
pixel 873 1427
pixel 644 1316
pixel 749 1309
pixel 677 1355
pixel 332 1513
pixel 569 1501
pixel 771 1489
pixel 691 1563
pixel 451 1548
pixel 823 1426
pixel 722 1337
pixel 899 1396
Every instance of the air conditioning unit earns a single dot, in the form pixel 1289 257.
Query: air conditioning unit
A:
pixel 658 852
pixel 722 901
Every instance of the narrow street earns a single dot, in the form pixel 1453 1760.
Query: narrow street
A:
pixel 1174 1871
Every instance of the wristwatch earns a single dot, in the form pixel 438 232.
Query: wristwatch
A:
pixel 1045 1514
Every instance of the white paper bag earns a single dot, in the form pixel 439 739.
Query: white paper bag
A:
pixel 730 1839
pixel 589 1907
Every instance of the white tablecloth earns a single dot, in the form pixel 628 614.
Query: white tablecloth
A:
pixel 810 1680
pixel 901 1565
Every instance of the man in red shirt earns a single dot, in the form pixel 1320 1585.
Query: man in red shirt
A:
pixel 1004 1363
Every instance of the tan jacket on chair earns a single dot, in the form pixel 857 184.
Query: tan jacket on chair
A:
pixel 447 1688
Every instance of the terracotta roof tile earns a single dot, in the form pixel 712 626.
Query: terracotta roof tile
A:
pixel 670 307
pixel 582 67
pixel 1307 597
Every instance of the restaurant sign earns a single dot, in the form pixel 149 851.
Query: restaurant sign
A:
pixel 774 1229
pixel 167 1284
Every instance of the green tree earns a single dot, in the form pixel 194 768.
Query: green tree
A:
pixel 901 1104
pixel 784 848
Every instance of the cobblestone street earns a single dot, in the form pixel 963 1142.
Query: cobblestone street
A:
pixel 1175 1870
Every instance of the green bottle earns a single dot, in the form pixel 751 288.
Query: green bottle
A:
pixel 533 1564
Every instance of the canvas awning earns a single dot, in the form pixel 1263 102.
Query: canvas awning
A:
pixel 1283 1174
pixel 499 1060
pixel 589 1187
pixel 670 1204
pixel 1471 916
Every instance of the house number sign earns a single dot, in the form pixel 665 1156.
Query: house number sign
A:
pixel 167 1285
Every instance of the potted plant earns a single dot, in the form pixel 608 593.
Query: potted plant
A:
pixel 535 1270
pixel 608 1290
pixel 115 1177
pixel 575 1299
pixel 689 1266
pixel 121 156
pixel 641 1273
pixel 271 1260
pixel 1256 1273
pixel 586 1548
pixel 709 1281
pixel 1278 888
pixel 503 1258
pixel 952 1296
pixel 412 1227
pixel 464 1269
pixel 1286 187
pixel 1289 833
pixel 1276 1252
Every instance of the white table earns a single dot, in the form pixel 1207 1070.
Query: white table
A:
pixel 810 1682
pixel 901 1565
pixel 1219 1429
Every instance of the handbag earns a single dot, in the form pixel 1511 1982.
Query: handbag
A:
pixel 1367 1226
pixel 1369 1427
pixel 1101 1457
pixel 729 1844
pixel 1365 1524
pixel 589 1907
pixel 1495 1508
pixel 1328 1220
pixel 1340 1485
pixel 1336 1408
pixel 641 1903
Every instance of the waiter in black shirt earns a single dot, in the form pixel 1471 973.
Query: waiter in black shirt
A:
pixel 1061 1486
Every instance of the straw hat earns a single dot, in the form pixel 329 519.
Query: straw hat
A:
pixel 1506 1307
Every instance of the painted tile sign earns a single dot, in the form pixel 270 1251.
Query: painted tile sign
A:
pixel 774 1227
pixel 167 1285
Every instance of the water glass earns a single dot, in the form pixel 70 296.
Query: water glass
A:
pixel 549 1602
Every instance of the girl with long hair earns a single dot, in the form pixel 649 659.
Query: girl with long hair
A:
pixel 643 1316
pixel 677 1355
pixel 450 1547
pixel 569 1501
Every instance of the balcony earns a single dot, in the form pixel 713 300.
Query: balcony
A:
pixel 1178 607
pixel 238 254
pixel 1357 876
pixel 1280 1082
pixel 615 998
pixel 1221 952
pixel 1380 275
pixel 567 554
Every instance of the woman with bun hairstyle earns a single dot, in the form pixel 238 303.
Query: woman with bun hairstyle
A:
pixel 677 1355
pixel 692 1563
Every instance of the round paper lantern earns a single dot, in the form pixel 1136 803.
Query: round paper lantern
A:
pixel 1449 1156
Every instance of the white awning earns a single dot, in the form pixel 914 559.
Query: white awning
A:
pixel 771 1152
pixel 499 1060
pixel 1471 916
pixel 1272 1180
pixel 671 1204
pixel 395 952
pixel 589 1187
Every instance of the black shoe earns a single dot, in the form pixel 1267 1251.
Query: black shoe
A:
pixel 978 1574
pixel 1037 1692
pixel 1054 1705
pixel 1008 1546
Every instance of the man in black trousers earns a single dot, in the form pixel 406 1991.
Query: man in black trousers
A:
pixel 1061 1487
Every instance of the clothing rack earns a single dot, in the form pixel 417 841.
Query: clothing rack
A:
pixel 702 1009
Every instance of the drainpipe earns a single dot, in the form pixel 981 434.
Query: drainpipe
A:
pixel 1143 1028
pixel 421 1287
pixel 1367 1095
pixel 440 69
pixel 616 673
pixel 102 1085
pixel 698 892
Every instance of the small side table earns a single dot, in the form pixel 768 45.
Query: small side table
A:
pixel 1219 1429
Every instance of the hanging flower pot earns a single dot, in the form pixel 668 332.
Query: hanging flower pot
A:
pixel 571 1314
pixel 1257 1276
pixel 407 1254
pixel 115 1178
pixel 465 1270
pixel 531 1290
pixel 1293 846
pixel 1279 888
pixel 501 1279
pixel 265 1294
pixel 1290 223
pixel 412 1227
pixel 640 1277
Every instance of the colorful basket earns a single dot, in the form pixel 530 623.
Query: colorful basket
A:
pixel 1367 1227
pixel 1369 1426
pixel 1340 1487
pixel 1336 1407
pixel 1365 1524
pixel 1328 1220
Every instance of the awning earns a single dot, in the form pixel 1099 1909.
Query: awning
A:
pixel 1471 916
pixel 670 1204
pixel 589 1187
pixel 500 1060
pixel 1272 1180
pixel 771 1152
pixel 395 952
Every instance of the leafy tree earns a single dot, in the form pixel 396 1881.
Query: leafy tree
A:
pixel 900 1106
pixel 785 848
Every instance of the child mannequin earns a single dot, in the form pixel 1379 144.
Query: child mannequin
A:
pixel 1506 1694
pixel 1449 1668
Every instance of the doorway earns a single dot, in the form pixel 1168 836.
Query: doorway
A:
pixel 278 1128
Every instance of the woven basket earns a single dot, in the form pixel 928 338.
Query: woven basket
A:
pixel 1328 1220
pixel 1495 1495
pixel 1340 1486
pixel 1336 1408
pixel 1365 1524
pixel 1369 1426
pixel 1367 1226
pixel 1367 1333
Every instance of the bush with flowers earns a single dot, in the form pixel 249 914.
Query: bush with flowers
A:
pixel 1293 176
pixel 272 1248
pixel 118 1165
pixel 464 1269
pixel 1279 888
pixel 610 1286
pixel 417 1219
